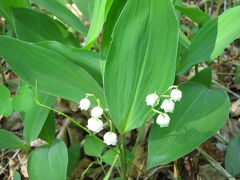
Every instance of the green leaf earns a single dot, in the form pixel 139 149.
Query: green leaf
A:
pixel 48 129
pixel 48 162
pixel 23 101
pixel 204 77
pixel 88 60
pixel 109 156
pixel 196 15
pixel 198 116
pixel 86 7
pixel 232 161
pixel 16 176
pixel 8 140
pixel 6 108
pixel 7 5
pixel 210 41
pixel 140 61
pixel 35 118
pixel 93 146
pixel 35 26
pixel 54 74
pixel 97 21
pixel 73 156
pixel 59 10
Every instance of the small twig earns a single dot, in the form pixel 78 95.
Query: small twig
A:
pixel 215 164
pixel 227 89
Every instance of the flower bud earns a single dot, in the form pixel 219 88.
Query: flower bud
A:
pixel 110 138
pixel 167 105
pixel 152 99
pixel 95 125
pixel 163 120
pixel 96 112
pixel 84 104
pixel 176 95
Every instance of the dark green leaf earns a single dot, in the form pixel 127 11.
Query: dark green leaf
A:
pixel 63 13
pixel 140 61
pixel 88 60
pixel 54 74
pixel 204 77
pixel 93 146
pixel 86 7
pixel 73 157
pixel 6 108
pixel 48 130
pixel 232 160
pixel 200 114
pixel 49 162
pixel 210 41
pixel 34 26
pixel 8 140
pixel 196 15
pixel 35 118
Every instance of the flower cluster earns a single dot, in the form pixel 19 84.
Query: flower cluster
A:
pixel 167 105
pixel 95 124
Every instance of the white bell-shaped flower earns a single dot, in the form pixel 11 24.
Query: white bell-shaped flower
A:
pixel 176 95
pixel 152 99
pixel 163 120
pixel 167 105
pixel 84 104
pixel 95 125
pixel 96 112
pixel 110 138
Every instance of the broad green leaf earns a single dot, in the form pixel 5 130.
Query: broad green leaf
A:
pixel 140 61
pixel 93 147
pixel 109 156
pixel 16 176
pixel 86 7
pixel 198 116
pixel 7 5
pixel 196 15
pixel 48 129
pixel 8 140
pixel 6 108
pixel 35 118
pixel 88 60
pixel 210 41
pixel 23 101
pixel 204 77
pixel 63 13
pixel 97 21
pixel 48 162
pixel 232 161
pixel 73 157
pixel 109 25
pixel 54 74
pixel 35 26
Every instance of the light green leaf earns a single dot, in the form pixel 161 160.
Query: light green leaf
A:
pixel 16 176
pixel 210 41
pixel 109 157
pixel 34 26
pixel 97 21
pixel 8 140
pixel 232 161
pixel 93 146
pixel 196 15
pixel 86 7
pixel 54 74
pixel 23 101
pixel 200 114
pixel 35 118
pixel 88 60
pixel 6 5
pixel 6 108
pixel 204 77
pixel 49 162
pixel 63 13
pixel 140 61
pixel 48 129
